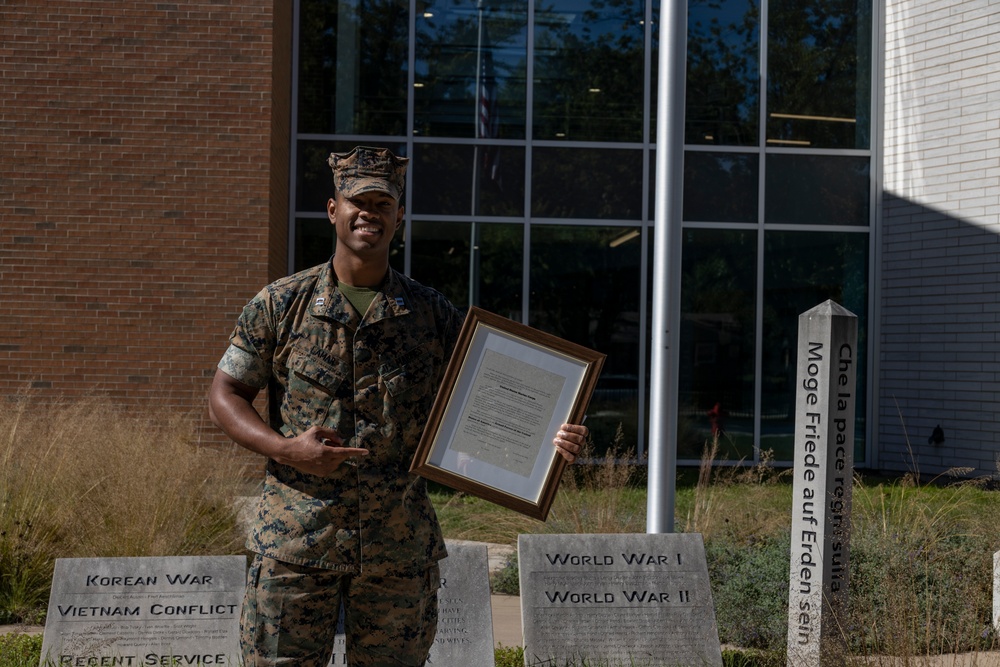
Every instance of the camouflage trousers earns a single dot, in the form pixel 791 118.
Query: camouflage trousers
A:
pixel 290 616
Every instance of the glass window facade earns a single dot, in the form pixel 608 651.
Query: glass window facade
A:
pixel 464 52
pixel 588 70
pixel 723 73
pixel 718 326
pixel 530 128
pixel 819 73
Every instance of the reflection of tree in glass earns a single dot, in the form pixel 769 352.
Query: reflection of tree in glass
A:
pixel 586 296
pixel 315 181
pixel 591 296
pixel 723 81
pixel 819 62
pixel 447 53
pixel 442 262
pixel 818 189
pixel 717 339
pixel 378 63
pixel 721 279
pixel 720 187
pixel 442 177
pixel 440 258
pixel 500 271
pixel 581 183
pixel 589 69
pixel 801 271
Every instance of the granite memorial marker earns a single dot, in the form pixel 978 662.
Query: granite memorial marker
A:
pixel 821 491
pixel 633 599
pixel 465 618
pixel 132 612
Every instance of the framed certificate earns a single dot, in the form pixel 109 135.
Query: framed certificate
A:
pixel 507 390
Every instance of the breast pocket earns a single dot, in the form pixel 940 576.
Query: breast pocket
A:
pixel 410 375
pixel 315 380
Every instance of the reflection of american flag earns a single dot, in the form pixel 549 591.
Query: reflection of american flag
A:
pixel 489 117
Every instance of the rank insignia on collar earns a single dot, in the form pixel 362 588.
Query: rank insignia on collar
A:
pixel 400 302
pixel 321 301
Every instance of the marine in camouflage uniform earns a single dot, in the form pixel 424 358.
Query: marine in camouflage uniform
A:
pixel 365 534
pixel 350 383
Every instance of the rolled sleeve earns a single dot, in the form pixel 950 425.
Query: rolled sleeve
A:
pixel 245 366
pixel 252 343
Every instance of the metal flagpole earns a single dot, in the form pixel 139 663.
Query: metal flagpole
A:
pixel 474 228
pixel 667 216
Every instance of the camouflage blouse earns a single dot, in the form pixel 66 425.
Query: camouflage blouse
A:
pixel 373 380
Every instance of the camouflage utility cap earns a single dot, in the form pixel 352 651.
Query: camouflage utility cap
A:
pixel 364 169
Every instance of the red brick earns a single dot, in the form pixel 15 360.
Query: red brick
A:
pixel 143 190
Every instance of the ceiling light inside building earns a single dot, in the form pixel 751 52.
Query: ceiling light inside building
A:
pixel 788 142
pixel 825 119
pixel 624 238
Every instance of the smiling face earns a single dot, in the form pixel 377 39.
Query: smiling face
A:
pixel 364 225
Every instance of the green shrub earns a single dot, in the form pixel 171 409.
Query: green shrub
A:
pixel 752 658
pixel 921 569
pixel 25 578
pixel 750 590
pixel 508 656
pixel 19 650
pixel 506 581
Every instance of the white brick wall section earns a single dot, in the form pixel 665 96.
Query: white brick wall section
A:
pixel 940 273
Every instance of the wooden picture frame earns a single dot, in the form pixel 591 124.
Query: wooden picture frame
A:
pixel 507 390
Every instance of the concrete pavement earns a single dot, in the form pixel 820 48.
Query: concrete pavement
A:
pixel 506 620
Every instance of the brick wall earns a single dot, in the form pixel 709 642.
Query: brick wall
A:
pixel 143 190
pixel 940 281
